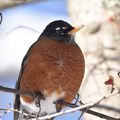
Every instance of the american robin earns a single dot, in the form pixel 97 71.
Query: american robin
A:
pixel 52 70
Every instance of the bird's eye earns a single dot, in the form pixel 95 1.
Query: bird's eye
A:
pixel 58 28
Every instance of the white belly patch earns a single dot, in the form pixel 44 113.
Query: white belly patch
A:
pixel 47 105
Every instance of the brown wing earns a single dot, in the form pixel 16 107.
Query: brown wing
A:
pixel 53 66
pixel 17 97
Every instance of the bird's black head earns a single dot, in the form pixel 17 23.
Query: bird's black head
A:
pixel 59 30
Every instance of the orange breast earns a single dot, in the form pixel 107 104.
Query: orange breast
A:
pixel 53 66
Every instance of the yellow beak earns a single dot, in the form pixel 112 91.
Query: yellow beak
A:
pixel 75 29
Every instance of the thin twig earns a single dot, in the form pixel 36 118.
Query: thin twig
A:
pixel 23 27
pixel 64 112
pixel 82 108
pixel 14 110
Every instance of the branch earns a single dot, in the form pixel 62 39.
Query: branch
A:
pixel 119 74
pixel 1 18
pixel 74 107
pixel 12 3
pixel 15 91
pixel 65 112
pixel 10 90
pixel 86 109
pixel 82 108
pixel 110 108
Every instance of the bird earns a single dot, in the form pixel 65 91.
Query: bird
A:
pixel 52 70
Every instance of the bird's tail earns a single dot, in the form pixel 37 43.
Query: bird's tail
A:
pixel 16 107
